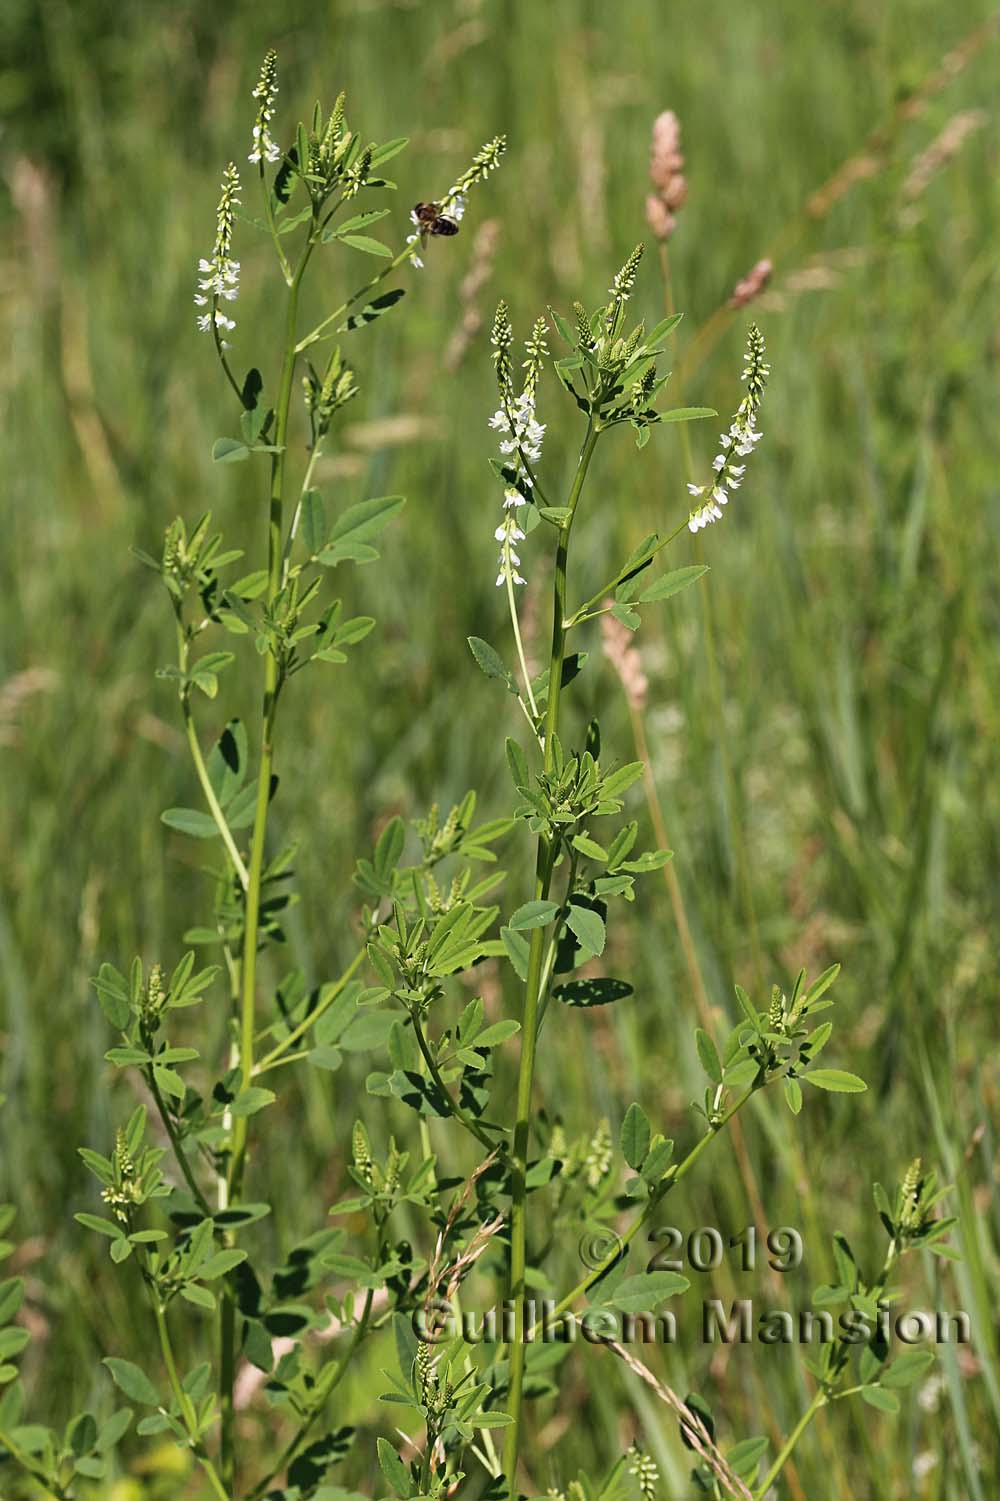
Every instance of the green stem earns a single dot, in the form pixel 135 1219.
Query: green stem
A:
pixel 251 922
pixel 324 1391
pixel 31 1468
pixel 214 806
pixel 271 687
pixel 317 333
pixel 544 865
pixel 227 1381
pixel 184 1403
pixel 471 1125
pixel 221 352
pixel 425 1464
pixel 306 485
pixel 178 1146
pixel 715 682
pixel 584 612
pixel 286 269
pixel 652 1203
pixel 515 626
pixel 277 1053
pixel 548 962
pixel 819 1400
pixel 825 1392
pixel 722 749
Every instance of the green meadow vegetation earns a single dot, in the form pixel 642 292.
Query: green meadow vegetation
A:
pixel 818 711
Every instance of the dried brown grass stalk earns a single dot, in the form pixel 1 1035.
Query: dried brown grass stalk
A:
pixel 692 1428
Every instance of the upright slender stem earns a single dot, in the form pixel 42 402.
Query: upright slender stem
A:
pixel 286 269
pixel 180 1154
pixel 307 479
pixel 825 1393
pixel 644 1215
pixel 818 1401
pixel 471 1125
pixel 516 628
pixel 404 255
pixel 327 1383
pixel 251 921
pixel 220 350
pixel 545 861
pixel 271 687
pixel 184 1403
pixel 282 1048
pixel 201 770
pixel 589 610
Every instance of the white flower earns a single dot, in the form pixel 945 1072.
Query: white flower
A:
pixel 507 533
pixel 219 318
pixel 704 516
pixel 416 261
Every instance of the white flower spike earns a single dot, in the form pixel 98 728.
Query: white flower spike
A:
pixel 264 148
pixel 521 445
pixel 740 440
pixel 219 278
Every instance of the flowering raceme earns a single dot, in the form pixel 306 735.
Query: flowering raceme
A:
pixel 220 276
pixel 740 440
pixel 452 205
pixel 521 443
pixel 264 148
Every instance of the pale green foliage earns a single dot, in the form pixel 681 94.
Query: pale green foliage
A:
pixel 436 910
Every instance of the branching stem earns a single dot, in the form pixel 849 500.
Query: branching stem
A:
pixel 251 923
pixel 529 1023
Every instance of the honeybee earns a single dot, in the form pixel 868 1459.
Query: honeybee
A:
pixel 431 221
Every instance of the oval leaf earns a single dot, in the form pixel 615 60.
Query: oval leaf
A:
pixel 133 1382
pixel 835 1079
pixel 534 915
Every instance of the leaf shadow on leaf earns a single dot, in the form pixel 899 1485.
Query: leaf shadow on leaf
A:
pixel 601 991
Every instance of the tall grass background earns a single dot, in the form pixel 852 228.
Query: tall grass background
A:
pixel 831 791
